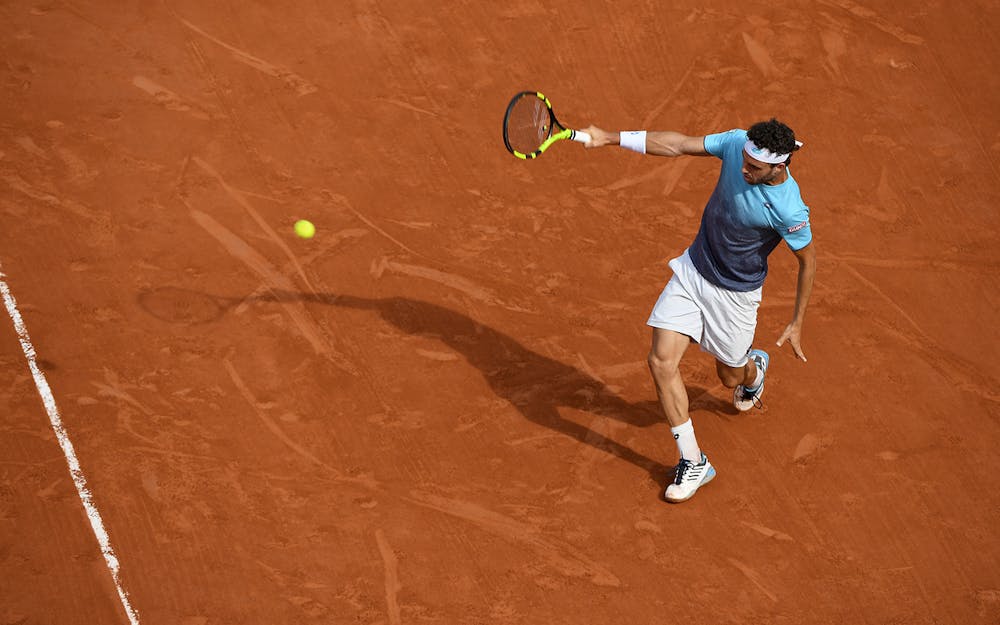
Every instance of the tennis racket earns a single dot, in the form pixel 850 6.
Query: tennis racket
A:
pixel 530 126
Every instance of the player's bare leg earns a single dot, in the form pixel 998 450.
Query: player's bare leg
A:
pixel 732 377
pixel 664 363
pixel 694 469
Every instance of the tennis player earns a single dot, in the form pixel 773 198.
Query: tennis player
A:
pixel 715 290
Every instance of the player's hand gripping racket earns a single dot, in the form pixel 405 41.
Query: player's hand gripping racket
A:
pixel 530 126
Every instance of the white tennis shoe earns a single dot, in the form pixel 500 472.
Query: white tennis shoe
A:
pixel 743 398
pixel 689 477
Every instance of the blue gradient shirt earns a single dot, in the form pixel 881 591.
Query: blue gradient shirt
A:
pixel 743 223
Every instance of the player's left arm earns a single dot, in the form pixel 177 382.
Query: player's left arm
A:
pixel 807 273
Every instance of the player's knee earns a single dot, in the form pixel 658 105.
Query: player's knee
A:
pixel 729 381
pixel 662 368
pixel 730 378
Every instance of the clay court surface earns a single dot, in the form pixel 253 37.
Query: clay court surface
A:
pixel 438 410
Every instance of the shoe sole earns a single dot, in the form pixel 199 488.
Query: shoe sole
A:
pixel 708 478
pixel 737 404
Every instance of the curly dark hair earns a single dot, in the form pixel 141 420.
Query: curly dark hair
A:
pixel 774 136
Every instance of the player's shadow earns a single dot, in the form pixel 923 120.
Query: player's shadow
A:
pixel 536 385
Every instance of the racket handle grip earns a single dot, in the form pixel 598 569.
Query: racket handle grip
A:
pixel 581 136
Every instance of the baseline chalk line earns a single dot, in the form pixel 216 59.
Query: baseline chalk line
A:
pixel 96 524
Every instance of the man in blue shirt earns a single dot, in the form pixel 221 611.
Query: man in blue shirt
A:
pixel 713 296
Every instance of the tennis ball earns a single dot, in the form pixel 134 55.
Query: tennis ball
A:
pixel 305 229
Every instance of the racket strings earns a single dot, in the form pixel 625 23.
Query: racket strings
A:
pixel 528 124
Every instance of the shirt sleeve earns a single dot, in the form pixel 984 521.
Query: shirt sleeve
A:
pixel 716 144
pixel 795 229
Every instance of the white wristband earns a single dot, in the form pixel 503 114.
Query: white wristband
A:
pixel 634 140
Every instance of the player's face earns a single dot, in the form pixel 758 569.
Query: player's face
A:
pixel 757 172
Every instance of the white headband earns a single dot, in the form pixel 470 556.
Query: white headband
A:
pixel 764 155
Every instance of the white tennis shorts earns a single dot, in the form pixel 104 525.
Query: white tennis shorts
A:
pixel 721 321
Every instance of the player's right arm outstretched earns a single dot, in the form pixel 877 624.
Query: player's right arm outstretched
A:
pixel 657 143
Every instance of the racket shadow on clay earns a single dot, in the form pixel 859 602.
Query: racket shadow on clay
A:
pixel 182 306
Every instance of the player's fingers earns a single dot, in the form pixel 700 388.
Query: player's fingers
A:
pixel 598 137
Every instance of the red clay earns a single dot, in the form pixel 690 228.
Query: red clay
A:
pixel 437 410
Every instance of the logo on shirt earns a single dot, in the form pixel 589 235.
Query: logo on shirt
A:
pixel 798 227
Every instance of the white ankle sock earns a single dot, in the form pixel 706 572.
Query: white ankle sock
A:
pixel 758 380
pixel 687 444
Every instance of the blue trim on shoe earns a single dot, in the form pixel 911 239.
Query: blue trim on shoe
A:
pixel 763 369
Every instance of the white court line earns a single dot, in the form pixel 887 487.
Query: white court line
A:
pixel 67 446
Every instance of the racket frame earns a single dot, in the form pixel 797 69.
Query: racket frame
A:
pixel 564 133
